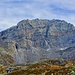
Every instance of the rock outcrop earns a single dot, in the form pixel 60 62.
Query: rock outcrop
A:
pixel 33 40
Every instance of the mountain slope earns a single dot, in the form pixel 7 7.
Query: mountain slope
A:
pixel 47 67
pixel 33 40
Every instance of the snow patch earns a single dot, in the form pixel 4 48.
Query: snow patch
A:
pixel 63 48
pixel 47 49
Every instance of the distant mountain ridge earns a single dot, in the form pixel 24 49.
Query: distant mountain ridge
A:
pixel 33 40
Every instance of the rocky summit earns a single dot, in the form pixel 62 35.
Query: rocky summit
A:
pixel 37 39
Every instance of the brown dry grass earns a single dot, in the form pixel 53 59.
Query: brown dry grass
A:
pixel 45 68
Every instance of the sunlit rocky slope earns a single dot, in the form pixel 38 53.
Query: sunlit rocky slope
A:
pixel 37 39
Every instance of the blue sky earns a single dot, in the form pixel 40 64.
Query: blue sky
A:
pixel 13 11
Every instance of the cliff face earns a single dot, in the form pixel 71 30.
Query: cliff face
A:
pixel 33 40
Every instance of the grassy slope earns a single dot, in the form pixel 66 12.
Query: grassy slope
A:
pixel 49 67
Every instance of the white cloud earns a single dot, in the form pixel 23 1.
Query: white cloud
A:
pixel 69 4
pixel 11 12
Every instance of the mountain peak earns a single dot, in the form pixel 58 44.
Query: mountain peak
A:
pixel 32 40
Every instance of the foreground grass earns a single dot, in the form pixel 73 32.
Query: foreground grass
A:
pixel 49 67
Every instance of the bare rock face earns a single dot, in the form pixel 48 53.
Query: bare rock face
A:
pixel 33 40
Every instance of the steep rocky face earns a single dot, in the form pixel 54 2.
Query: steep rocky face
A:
pixel 5 58
pixel 33 40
